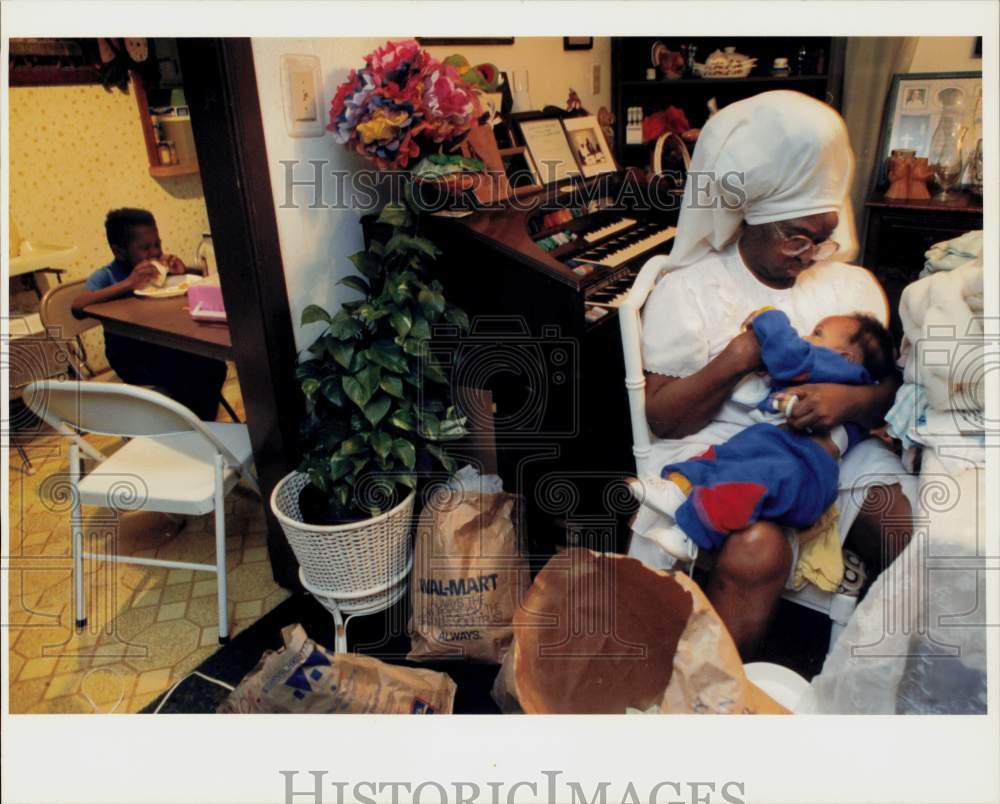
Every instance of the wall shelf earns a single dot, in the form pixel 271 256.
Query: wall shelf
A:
pixel 709 82
pixel 630 58
pixel 165 171
pixel 149 136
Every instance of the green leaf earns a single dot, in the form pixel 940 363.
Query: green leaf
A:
pixel 352 446
pixel 314 313
pixel 310 368
pixel 357 391
pixel 386 354
pixel 310 386
pixel 403 419
pixel 443 457
pixel 319 479
pixel 392 386
pixel 394 215
pixel 408 479
pixel 358 362
pixel 343 493
pixel 398 286
pixel 456 316
pixel 339 467
pixel 375 411
pixel 404 242
pixel 361 386
pixel 404 450
pixel 452 427
pixel 401 322
pixel 421 329
pixel 430 425
pixel 341 351
pixel 431 301
pixel 369 378
pixel 344 327
pixel 356 283
pixel 381 443
pixel 366 263
pixel 416 347
pixel 434 373
pixel 332 391
pixel 370 313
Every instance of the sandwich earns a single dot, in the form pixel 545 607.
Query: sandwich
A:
pixel 161 278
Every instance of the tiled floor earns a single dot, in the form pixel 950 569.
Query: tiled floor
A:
pixel 147 626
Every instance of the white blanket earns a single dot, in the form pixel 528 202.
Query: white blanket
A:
pixel 943 322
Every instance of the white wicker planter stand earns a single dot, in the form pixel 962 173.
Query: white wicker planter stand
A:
pixel 352 569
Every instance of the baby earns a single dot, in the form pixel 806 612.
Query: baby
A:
pixel 766 471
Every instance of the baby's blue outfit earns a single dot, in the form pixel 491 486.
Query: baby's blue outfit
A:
pixel 765 472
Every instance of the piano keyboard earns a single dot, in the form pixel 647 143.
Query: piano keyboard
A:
pixel 611 295
pixel 627 246
pixel 610 229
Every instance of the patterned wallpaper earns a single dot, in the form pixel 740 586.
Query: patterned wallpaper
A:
pixel 75 153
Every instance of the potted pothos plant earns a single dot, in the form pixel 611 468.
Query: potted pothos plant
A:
pixel 378 406
pixel 375 398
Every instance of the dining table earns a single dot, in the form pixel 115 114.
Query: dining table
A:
pixel 165 322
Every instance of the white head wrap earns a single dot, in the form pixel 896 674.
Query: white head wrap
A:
pixel 773 157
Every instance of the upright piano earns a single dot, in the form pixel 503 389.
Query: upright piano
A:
pixel 540 278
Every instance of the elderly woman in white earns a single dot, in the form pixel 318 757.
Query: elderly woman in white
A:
pixel 765 221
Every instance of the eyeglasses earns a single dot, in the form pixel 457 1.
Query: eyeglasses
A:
pixel 797 245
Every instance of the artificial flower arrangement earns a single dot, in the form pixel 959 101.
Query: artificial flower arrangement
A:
pixel 401 105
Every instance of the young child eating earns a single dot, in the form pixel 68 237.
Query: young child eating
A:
pixel 769 471
pixel 139 262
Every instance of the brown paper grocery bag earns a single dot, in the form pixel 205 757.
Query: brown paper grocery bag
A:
pixel 603 633
pixel 468 577
pixel 304 677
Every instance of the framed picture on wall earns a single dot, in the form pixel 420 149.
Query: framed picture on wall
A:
pixel 914 108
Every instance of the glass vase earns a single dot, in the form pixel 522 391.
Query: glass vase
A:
pixel 945 154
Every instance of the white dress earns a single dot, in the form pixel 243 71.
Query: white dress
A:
pixel 694 312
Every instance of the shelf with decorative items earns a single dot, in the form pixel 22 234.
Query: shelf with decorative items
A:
pixel 661 84
pixel 169 140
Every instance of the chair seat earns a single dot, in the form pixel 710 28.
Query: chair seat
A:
pixel 174 474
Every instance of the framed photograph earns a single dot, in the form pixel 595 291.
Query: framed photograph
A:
pixel 913 111
pixel 545 139
pixel 915 99
pixel 589 145
pixel 578 43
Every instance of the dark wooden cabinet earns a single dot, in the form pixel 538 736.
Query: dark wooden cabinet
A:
pixel 631 57
pixel 899 232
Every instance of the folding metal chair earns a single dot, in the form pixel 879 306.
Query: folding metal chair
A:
pixel 176 463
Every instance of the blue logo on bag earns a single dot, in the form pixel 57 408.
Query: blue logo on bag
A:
pixel 421 707
pixel 299 680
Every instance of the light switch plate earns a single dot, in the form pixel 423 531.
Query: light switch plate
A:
pixel 300 87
